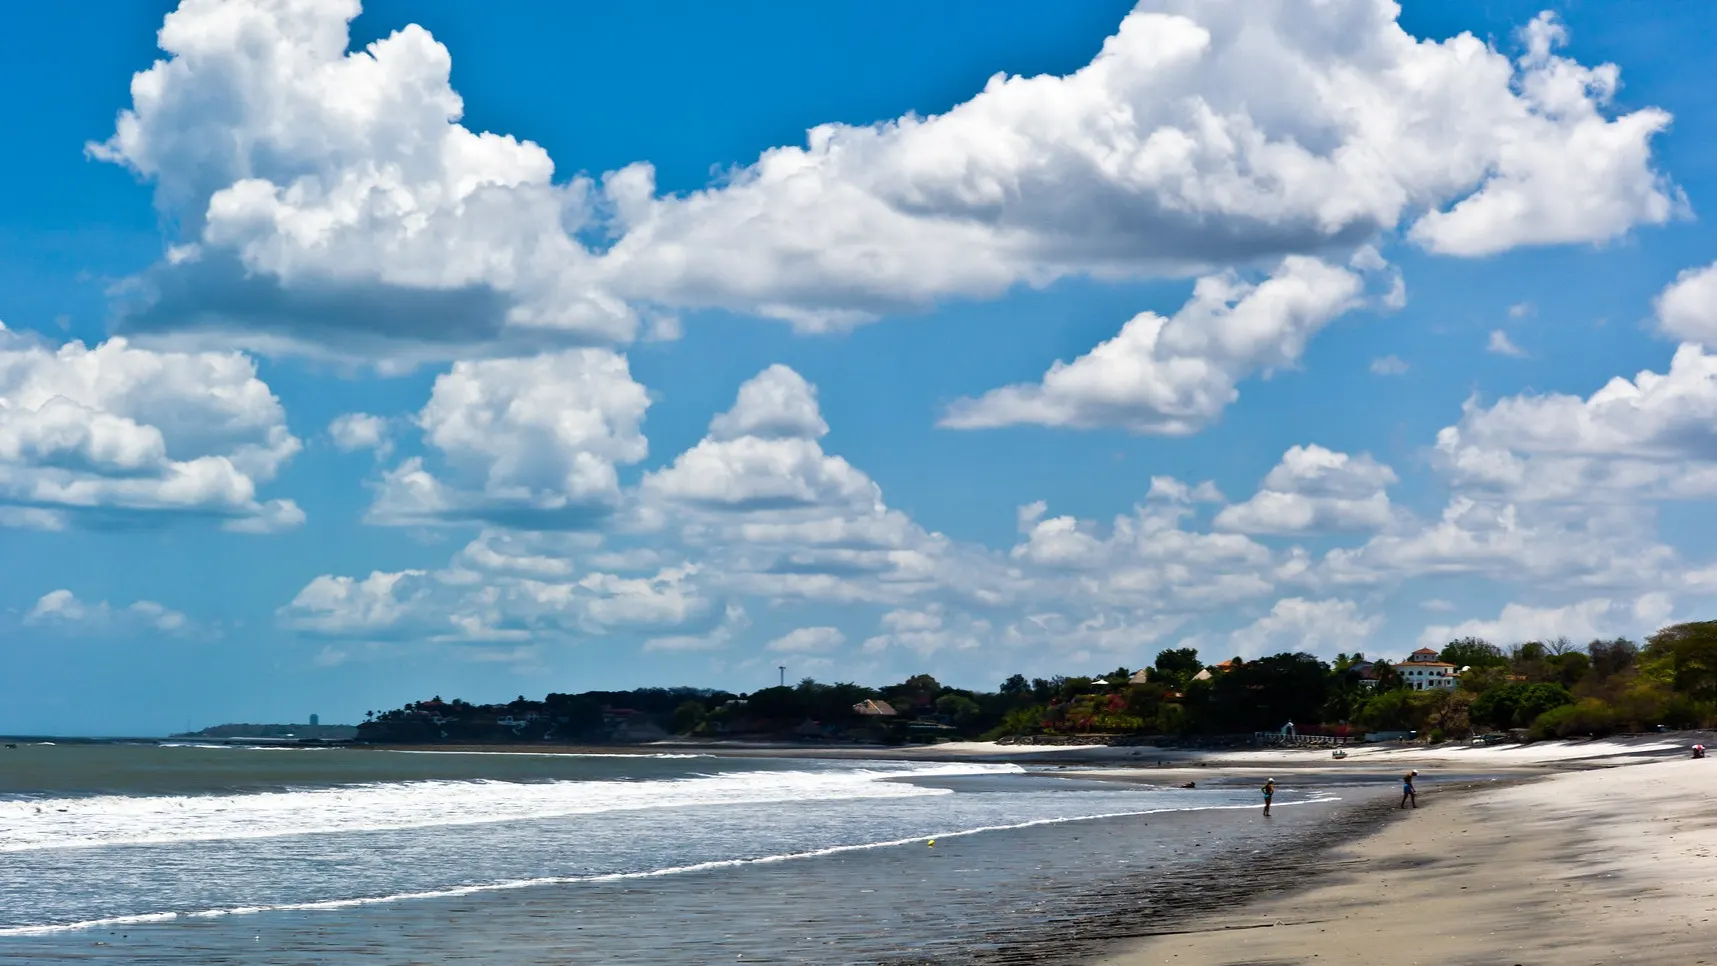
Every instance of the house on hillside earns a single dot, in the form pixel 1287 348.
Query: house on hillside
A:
pixel 874 708
pixel 1423 655
pixel 1428 674
pixel 1141 676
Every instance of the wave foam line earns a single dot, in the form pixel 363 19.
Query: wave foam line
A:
pixel 106 820
pixel 516 884
pixel 541 754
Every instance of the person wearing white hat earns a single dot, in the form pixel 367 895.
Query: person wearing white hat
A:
pixel 1407 792
pixel 1269 793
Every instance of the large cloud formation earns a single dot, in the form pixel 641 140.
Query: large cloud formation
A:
pixel 758 512
pixel 332 198
pixel 116 435
pixel 333 201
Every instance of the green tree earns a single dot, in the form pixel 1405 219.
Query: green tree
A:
pixel 1478 680
pixel 1389 711
pixel 1527 659
pixel 1610 658
pixel 916 692
pixel 1569 668
pixel 1692 652
pixel 1587 718
pixel 687 717
pixel 1066 689
pixel 963 711
pixel 1269 692
pixel 1388 679
pixel 1178 665
pixel 1517 705
pixel 1473 652
pixel 1020 721
pixel 1171 719
pixel 1119 676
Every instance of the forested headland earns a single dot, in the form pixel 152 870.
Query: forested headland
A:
pixel 1549 689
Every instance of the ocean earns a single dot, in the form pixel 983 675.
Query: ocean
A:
pixel 180 853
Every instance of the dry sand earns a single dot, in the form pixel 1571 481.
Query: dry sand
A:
pixel 1485 758
pixel 1611 865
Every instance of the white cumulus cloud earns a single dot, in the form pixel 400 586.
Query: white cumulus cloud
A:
pixel 116 431
pixel 351 432
pixel 1204 133
pixel 1598 617
pixel 330 196
pixel 1316 489
pixel 807 640
pixel 764 454
pixel 1175 375
pixel 1323 627
pixel 63 610
pixel 1654 435
pixel 532 442
pixel 1687 308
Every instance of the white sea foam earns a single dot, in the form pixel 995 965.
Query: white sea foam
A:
pixel 132 820
pixel 515 884
pixel 542 754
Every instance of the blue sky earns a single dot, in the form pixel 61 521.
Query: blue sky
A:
pixel 539 351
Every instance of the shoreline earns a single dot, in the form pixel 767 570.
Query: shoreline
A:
pixel 1604 865
pixel 1536 757
pixel 1169 765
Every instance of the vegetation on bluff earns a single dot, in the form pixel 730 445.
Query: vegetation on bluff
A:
pixel 1551 688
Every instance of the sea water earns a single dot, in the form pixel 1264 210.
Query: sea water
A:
pixel 146 853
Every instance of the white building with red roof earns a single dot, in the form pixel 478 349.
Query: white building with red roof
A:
pixel 1423 672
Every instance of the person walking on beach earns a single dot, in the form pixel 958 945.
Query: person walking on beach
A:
pixel 1269 793
pixel 1407 793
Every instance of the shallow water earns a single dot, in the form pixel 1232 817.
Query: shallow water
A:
pixel 195 855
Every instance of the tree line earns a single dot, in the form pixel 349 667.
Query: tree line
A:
pixel 1549 688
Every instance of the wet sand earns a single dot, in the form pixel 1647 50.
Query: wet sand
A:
pixel 1615 865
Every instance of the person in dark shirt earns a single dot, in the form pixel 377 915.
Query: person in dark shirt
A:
pixel 1407 793
pixel 1269 793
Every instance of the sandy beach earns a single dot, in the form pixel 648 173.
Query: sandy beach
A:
pixel 1608 865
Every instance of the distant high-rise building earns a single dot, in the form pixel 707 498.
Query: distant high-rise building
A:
pixel 315 720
